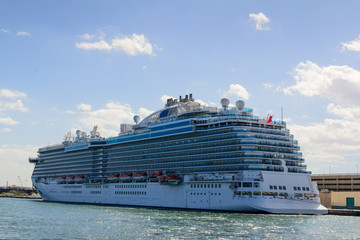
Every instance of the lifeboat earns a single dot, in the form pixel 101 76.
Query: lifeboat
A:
pixel 113 177
pixel 154 176
pixel 70 179
pixel 125 177
pixel 79 179
pixel 61 180
pixel 169 179
pixel 138 177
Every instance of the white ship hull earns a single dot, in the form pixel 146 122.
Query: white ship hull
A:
pixel 154 194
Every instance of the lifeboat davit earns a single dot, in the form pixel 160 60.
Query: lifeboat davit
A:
pixel 61 179
pixel 169 179
pixel 154 176
pixel 125 177
pixel 79 179
pixel 70 179
pixel 140 177
pixel 113 177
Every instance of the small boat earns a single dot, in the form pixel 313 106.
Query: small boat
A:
pixel 169 179
pixel 138 177
pixel 125 177
pixel 113 177
pixel 61 180
pixel 79 179
pixel 70 179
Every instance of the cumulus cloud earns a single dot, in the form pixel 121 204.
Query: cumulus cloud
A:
pixel 17 105
pixel 84 107
pixel 134 45
pixel 238 91
pixel 340 84
pixel 11 94
pixel 15 157
pixel 260 20
pixel 8 121
pixel 108 119
pixel 353 45
pixel 26 34
pixel 334 139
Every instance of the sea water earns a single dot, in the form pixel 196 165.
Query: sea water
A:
pixel 36 219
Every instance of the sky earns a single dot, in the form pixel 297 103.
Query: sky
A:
pixel 68 65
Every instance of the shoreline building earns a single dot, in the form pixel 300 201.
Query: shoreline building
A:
pixel 339 191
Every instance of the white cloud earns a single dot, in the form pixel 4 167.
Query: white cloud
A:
pixel 8 121
pixel 88 36
pixel 340 84
pixel 238 91
pixel 15 158
pixel 7 130
pixel 260 19
pixel 333 140
pixel 108 119
pixel 4 30
pixel 26 34
pixel 353 45
pixel 267 85
pixel 84 107
pixel 17 105
pixel 349 113
pixel 144 67
pixel 11 94
pixel 232 69
pixel 132 46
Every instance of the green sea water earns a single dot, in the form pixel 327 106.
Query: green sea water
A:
pixel 35 219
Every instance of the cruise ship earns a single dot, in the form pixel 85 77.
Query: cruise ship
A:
pixel 187 156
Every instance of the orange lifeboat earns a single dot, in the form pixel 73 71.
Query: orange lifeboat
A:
pixel 154 176
pixel 125 177
pixel 79 179
pixel 140 177
pixel 169 179
pixel 113 177
pixel 61 179
pixel 70 179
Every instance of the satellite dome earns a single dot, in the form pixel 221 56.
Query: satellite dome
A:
pixel 225 102
pixel 240 104
pixel 136 119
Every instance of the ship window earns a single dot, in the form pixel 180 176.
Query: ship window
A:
pixel 271 187
pixel 284 187
pixel 256 184
pixel 247 184
pixel 212 185
pixel 280 187
pixel 303 188
pixel 295 188
pixel 219 186
pixel 299 189
pixel 201 185
pixel 307 189
pixel 215 185
pixel 275 187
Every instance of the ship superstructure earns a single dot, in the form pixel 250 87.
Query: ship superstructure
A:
pixel 185 155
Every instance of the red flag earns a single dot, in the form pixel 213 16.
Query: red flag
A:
pixel 270 119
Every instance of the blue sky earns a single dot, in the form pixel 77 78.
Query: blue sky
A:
pixel 67 65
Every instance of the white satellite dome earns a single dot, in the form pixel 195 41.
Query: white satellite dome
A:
pixel 240 104
pixel 136 119
pixel 225 102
